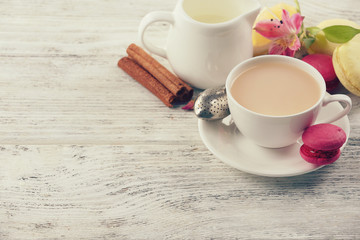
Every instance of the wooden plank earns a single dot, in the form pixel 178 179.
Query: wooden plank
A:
pixel 93 192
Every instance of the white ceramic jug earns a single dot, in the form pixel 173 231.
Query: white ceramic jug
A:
pixel 207 38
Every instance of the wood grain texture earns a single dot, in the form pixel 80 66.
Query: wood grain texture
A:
pixel 88 153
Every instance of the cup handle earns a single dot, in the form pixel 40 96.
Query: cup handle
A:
pixel 158 16
pixel 337 98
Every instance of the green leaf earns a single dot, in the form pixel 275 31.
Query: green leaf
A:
pixel 340 33
pixel 313 30
pixel 308 41
pixel 297 6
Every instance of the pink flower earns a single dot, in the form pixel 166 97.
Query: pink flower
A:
pixel 284 33
pixel 189 105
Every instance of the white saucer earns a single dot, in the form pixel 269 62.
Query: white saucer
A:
pixel 231 147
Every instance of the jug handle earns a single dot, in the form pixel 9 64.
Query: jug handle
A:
pixel 158 16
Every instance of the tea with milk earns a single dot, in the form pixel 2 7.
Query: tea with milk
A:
pixel 276 89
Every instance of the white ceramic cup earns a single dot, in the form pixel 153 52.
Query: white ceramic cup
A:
pixel 280 131
pixel 206 40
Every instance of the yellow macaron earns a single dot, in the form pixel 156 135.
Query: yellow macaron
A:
pixel 346 61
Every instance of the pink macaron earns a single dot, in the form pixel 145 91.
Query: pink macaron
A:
pixel 322 143
pixel 323 63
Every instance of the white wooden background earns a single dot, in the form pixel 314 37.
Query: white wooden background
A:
pixel 88 153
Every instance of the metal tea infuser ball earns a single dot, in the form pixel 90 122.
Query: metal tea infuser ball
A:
pixel 212 104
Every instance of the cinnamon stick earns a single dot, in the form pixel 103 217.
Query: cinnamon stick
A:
pixel 174 84
pixel 147 80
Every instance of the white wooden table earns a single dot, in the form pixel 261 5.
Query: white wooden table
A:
pixel 88 153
